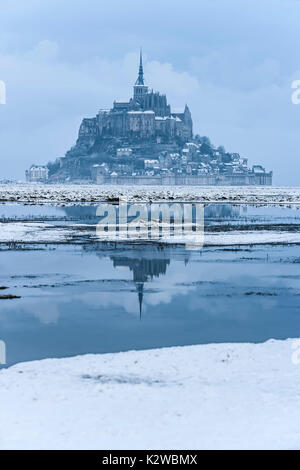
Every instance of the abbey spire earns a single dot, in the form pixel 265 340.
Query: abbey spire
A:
pixel 140 79
pixel 140 89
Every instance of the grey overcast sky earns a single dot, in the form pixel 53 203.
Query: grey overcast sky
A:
pixel 232 61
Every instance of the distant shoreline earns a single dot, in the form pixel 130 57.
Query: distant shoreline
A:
pixel 93 194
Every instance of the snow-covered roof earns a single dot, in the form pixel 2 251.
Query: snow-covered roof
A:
pixel 178 111
pixel 38 167
pixel 140 112
pixel 258 169
pixel 161 118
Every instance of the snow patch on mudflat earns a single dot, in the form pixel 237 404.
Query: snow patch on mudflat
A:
pixel 32 232
pixel 222 396
pixel 82 194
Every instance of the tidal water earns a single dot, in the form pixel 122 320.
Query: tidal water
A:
pixel 109 297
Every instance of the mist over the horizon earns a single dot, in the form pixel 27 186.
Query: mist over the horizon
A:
pixel 233 63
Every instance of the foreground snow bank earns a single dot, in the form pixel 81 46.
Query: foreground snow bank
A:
pixel 210 396
pixel 82 194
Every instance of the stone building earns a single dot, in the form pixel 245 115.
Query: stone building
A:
pixel 147 115
pixel 37 174
pixel 143 141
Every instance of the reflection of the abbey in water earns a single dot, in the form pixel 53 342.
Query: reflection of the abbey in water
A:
pixel 148 261
pixel 143 269
pixel 145 261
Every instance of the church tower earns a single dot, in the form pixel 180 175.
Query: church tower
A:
pixel 140 89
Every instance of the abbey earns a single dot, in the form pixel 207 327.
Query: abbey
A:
pixel 147 115
pixel 145 141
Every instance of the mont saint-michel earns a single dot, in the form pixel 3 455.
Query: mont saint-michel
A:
pixel 145 141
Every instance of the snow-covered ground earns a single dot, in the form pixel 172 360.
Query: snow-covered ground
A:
pixel 67 194
pixel 32 232
pixel 195 397
pixel 202 397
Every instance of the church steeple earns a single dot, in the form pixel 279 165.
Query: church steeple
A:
pixel 140 89
pixel 140 79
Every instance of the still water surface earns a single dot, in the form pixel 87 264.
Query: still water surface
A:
pixel 104 297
